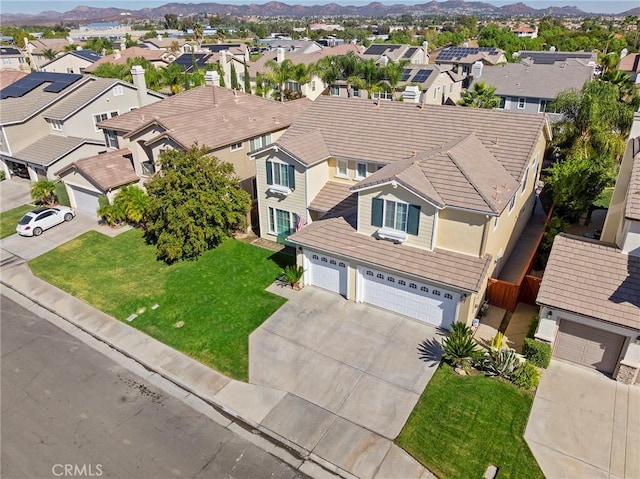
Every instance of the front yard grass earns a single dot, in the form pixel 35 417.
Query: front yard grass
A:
pixel 462 424
pixel 220 297
pixel 9 220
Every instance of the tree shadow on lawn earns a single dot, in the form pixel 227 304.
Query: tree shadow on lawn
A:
pixel 283 258
pixel 430 350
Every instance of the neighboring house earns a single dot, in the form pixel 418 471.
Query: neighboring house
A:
pixel 38 49
pixel 551 57
pixel 230 124
pixel 239 50
pixel 72 62
pixel 382 53
pixel 530 86
pixel 409 209
pixel 50 119
pixel 525 32
pixel 12 58
pixel 7 77
pixel 187 61
pixel 315 86
pixel 158 58
pixel 590 292
pixel 431 85
pixel 463 58
pixel 170 44
pixel 110 30
pixel 291 46
pixel 631 64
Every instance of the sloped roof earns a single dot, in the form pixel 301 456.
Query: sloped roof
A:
pixel 529 79
pixel 299 57
pixel 41 44
pixel 107 171
pixel 468 55
pixel 51 148
pixel 632 209
pixel 393 52
pixel 7 52
pixel 630 63
pixel 462 173
pixel 393 131
pixel 80 97
pixel 592 279
pixel 212 116
pixel 338 235
pixel 7 77
pixel 308 148
pixel 334 197
pixel 131 52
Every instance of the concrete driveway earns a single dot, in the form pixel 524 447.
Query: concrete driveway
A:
pixel 359 362
pixel 584 424
pixel 29 247
pixel 14 193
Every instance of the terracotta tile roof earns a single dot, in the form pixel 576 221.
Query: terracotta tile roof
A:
pixel 632 209
pixel 462 173
pixel 630 63
pixel 40 45
pixel 535 80
pixel 308 148
pixel 80 97
pixel 592 279
pixel 395 131
pixel 338 235
pixel 131 52
pixel 50 148
pixel 7 77
pixel 107 171
pixel 334 197
pixel 196 115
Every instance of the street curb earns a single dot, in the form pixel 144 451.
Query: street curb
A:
pixel 235 418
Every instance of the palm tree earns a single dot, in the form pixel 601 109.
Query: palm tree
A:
pixel 480 96
pixel 281 73
pixel 327 69
pixel 49 54
pixel 132 201
pixel 198 33
pixel 609 61
pixel 171 76
pixel 44 191
pixel 393 73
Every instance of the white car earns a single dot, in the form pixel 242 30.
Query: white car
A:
pixel 38 220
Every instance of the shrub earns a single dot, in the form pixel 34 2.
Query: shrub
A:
pixel 292 274
pixel 3 175
pixel 500 362
pixel 533 325
pixel 111 214
pixel 460 349
pixel 61 193
pixel 43 191
pixel 133 202
pixel 526 376
pixel 538 352
pixel 496 342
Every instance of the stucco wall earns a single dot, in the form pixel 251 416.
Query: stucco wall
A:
pixel 460 231
pixel 22 135
pixel 68 61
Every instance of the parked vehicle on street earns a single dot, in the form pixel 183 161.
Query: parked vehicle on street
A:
pixel 40 219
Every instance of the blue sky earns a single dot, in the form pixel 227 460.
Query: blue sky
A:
pixel 36 6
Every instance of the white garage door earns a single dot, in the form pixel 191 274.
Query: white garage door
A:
pixel 401 295
pixel 591 347
pixel 84 200
pixel 327 272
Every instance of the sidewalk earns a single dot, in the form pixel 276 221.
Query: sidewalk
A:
pixel 322 442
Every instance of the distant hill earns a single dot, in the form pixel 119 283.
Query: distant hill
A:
pixel 273 9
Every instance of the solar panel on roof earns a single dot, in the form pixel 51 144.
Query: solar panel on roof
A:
pixel 376 49
pixel 406 74
pixel 35 79
pixel 410 52
pixel 421 76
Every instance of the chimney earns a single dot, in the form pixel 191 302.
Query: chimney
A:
pixel 226 69
pixel 137 72
pixel 212 78
pixel 411 94
pixel 476 69
pixel 159 37
pixel 384 60
pixel 279 55
pixel 116 55
pixel 425 47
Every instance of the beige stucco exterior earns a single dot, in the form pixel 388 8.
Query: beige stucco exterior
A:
pixel 67 64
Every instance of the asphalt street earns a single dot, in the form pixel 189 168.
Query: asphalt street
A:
pixel 69 411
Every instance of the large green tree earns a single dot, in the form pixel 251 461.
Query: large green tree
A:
pixel 195 202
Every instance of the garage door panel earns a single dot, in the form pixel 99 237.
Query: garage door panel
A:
pixel 588 346
pixel 327 272
pixel 409 298
pixel 85 200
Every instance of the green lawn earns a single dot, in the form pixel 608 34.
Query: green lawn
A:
pixel 219 297
pixel 604 200
pixel 9 220
pixel 461 425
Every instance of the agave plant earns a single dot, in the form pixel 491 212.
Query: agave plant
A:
pixel 500 362
pixel 460 349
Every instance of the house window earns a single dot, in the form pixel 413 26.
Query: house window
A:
pixel 524 180
pixel 383 95
pixel 148 168
pixel 435 292
pixel 292 85
pixel 413 285
pixel 260 142
pixel 111 139
pixel 118 90
pixel 341 169
pixel 98 117
pixel 542 107
pixel 512 203
pixel 424 289
pixel 380 276
pixel 402 282
pixel 521 102
pixel 280 174
pixel 313 85
pixel 236 146
pixel 361 171
pixel 6 61
pixel 281 223
pixel 503 103
pixel 369 273
pixel 495 222
pixel 69 70
pixel 391 279
pixel 448 296
pixel 435 92
pixel 335 90
pixel 395 215
pixel 356 93
pixel 451 88
pixel 56 125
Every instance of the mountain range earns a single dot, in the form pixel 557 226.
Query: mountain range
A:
pixel 278 9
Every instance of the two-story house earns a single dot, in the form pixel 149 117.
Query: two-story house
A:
pixel 463 58
pixel 383 53
pixel 228 123
pixel 590 292
pixel 406 207
pixel 158 58
pixel 431 85
pixel 12 58
pixel 49 120
pixel 72 62
pixel 39 50
pixel 533 84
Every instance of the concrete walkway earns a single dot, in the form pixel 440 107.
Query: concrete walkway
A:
pixel 14 193
pixel 585 425
pixel 519 325
pixel 320 440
